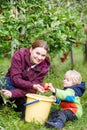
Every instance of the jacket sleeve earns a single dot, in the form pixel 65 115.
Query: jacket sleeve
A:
pixel 18 93
pixel 66 95
pixel 16 74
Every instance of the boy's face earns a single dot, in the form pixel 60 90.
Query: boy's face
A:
pixel 67 82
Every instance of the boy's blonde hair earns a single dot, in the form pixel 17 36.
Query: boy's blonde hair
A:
pixel 74 76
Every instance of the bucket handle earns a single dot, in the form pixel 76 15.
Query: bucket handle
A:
pixel 32 102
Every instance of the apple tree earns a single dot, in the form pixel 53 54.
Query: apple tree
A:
pixel 60 23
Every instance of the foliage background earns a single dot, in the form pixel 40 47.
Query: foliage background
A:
pixel 60 23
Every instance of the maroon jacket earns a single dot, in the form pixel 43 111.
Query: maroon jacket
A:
pixel 23 76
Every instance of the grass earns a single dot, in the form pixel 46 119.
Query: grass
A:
pixel 10 120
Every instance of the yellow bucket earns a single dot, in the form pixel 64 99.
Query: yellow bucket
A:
pixel 37 108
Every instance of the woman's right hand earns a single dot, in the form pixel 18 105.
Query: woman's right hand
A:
pixel 39 88
pixel 7 93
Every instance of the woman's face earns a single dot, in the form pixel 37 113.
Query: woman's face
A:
pixel 37 55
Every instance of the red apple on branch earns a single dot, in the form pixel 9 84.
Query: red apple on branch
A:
pixel 76 44
pixel 5 55
pixel 66 54
pixel 63 59
pixel 0 11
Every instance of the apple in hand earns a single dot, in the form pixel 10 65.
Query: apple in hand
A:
pixel 45 86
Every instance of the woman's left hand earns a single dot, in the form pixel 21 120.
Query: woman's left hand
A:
pixel 7 93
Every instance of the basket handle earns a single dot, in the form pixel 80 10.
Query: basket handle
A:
pixel 32 102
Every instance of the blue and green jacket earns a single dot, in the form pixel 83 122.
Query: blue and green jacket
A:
pixel 69 98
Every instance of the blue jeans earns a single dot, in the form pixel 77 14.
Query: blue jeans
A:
pixel 18 101
pixel 8 84
pixel 62 116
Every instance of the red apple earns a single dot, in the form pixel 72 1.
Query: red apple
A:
pixel 62 59
pixel 0 11
pixel 66 54
pixel 45 86
pixel 5 55
pixel 76 44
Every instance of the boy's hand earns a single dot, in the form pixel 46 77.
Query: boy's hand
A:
pixel 51 88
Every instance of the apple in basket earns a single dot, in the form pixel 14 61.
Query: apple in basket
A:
pixel 45 86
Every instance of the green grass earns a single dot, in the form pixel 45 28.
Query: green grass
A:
pixel 10 120
pixel 4 65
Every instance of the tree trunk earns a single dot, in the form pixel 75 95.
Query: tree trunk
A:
pixel 72 57
pixel 85 52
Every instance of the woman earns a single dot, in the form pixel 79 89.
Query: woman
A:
pixel 28 68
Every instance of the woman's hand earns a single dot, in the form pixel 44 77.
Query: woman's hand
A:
pixel 7 93
pixel 39 88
